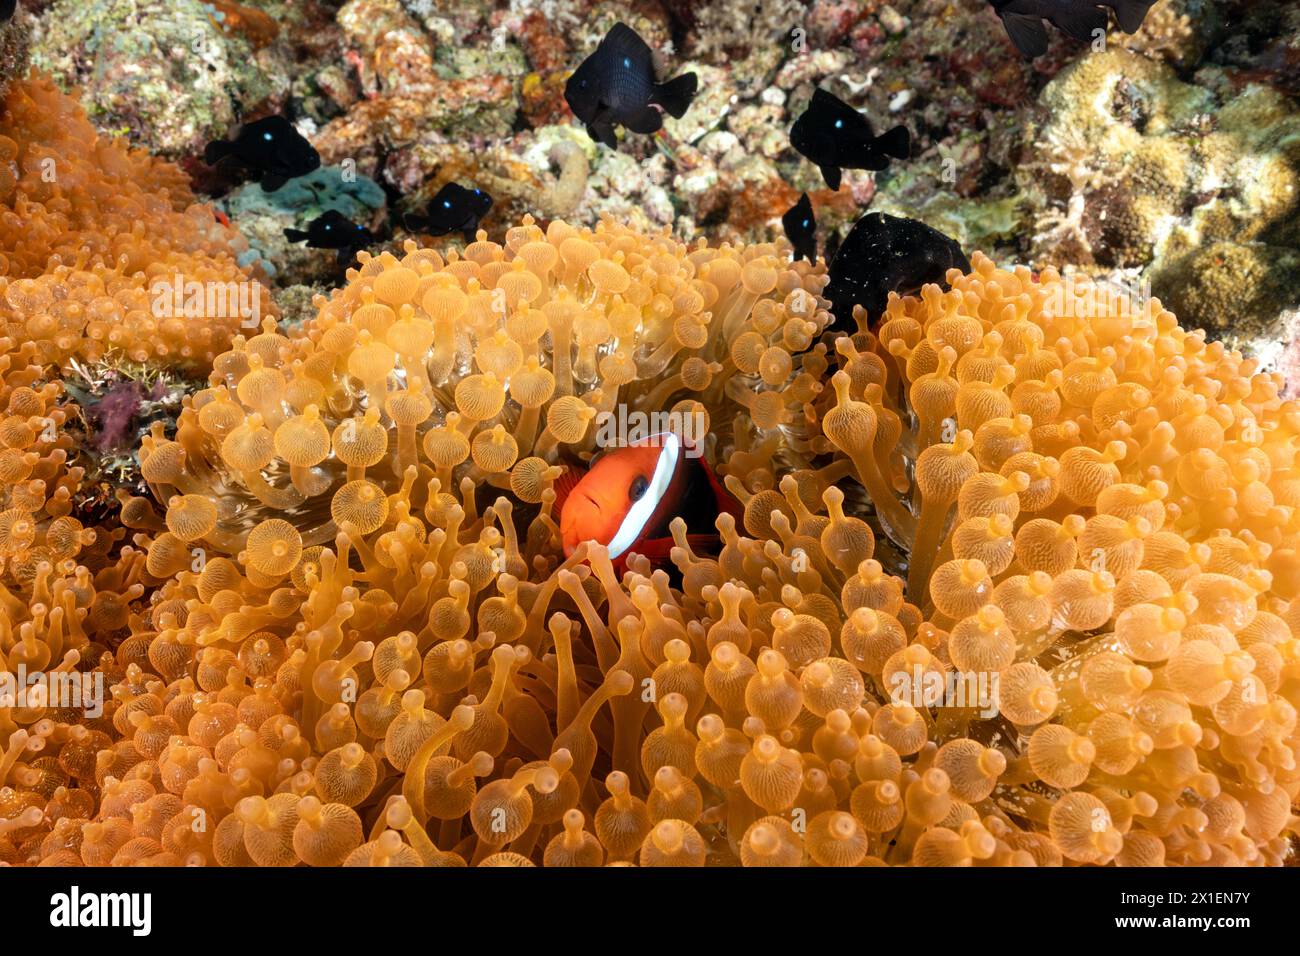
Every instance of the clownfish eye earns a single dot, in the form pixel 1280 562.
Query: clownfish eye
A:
pixel 639 485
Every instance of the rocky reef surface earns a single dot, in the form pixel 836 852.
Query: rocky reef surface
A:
pixel 1167 161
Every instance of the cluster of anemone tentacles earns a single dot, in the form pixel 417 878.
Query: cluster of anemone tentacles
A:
pixel 364 645
pixel 91 231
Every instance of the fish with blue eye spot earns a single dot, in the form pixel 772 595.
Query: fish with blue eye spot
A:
pixel 836 137
pixel 269 148
pixel 333 230
pixel 453 209
pixel 801 229
pixel 615 86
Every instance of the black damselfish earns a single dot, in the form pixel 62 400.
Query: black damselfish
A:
pixel 333 230
pixel 453 209
pixel 835 136
pixel 7 9
pixel 1078 19
pixel 884 254
pixel 801 229
pixel 615 86
pixel 270 147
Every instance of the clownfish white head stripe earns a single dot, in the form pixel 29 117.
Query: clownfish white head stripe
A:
pixel 629 497
pixel 634 523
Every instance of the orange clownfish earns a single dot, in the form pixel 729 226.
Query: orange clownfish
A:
pixel 629 495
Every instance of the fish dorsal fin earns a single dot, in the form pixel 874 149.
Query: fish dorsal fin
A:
pixel 834 109
pixel 824 100
pixel 623 41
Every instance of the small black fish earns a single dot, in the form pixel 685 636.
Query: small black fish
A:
pixel 884 254
pixel 801 229
pixel 616 86
pixel 271 147
pixel 835 136
pixel 333 230
pixel 453 209
pixel 1077 19
pixel 7 10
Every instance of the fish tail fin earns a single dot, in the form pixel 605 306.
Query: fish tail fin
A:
pixel 1081 24
pixel 896 142
pixel 675 96
pixel 1131 13
pixel 295 235
pixel 216 151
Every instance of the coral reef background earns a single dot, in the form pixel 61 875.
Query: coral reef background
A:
pixel 313 555
pixel 1170 160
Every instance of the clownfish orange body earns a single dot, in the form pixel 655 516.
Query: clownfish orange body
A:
pixel 630 495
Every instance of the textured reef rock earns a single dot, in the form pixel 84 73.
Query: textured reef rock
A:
pixel 1133 168
pixel 419 92
pixel 1170 158
pixel 262 218
pixel 13 51
pixel 1177 31
pixel 165 71
pixel 1243 293
pixel 415 88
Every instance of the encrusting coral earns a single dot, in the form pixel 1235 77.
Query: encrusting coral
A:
pixel 91 232
pixel 364 644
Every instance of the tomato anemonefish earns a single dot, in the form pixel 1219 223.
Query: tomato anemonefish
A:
pixel 628 497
